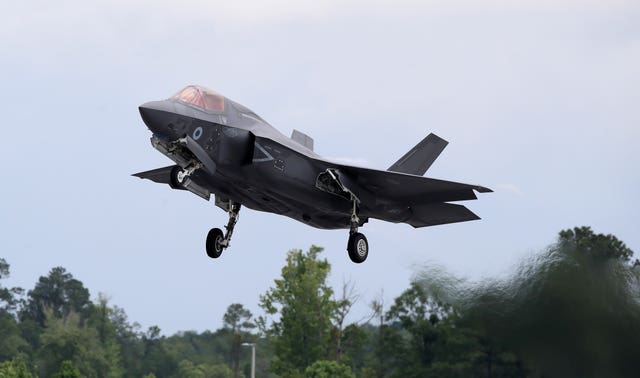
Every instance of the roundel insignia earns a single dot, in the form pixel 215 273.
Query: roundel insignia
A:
pixel 197 133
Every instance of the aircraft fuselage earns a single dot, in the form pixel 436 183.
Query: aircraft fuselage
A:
pixel 222 148
pixel 255 164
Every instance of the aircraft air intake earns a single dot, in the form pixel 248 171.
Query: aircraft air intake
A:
pixel 235 147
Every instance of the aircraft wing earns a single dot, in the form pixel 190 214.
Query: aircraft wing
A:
pixel 416 189
pixel 417 200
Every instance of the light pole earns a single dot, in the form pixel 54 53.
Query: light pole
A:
pixel 253 358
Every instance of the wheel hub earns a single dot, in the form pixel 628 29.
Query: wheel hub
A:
pixel 181 176
pixel 361 248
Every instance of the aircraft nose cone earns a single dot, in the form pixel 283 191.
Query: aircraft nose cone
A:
pixel 158 115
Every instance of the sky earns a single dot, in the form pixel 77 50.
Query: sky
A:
pixel 540 101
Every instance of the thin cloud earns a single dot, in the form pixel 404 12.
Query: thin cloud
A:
pixel 512 188
pixel 30 19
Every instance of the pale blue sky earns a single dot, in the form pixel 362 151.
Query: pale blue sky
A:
pixel 539 101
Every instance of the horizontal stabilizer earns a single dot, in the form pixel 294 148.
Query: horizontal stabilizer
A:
pixel 303 139
pixel 439 213
pixel 418 160
pixel 163 176
pixel 159 175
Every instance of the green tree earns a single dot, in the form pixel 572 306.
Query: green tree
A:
pixel 200 348
pixel 11 341
pixel 8 296
pixel 328 369
pixel 341 309
pixel 355 342
pixel 187 369
pixel 100 319
pixel 237 319
pixel 418 314
pixel 67 370
pixel 69 339
pixel 300 306
pixel 460 351
pixel 15 368
pixel 156 358
pixel 570 311
pixel 129 339
pixel 584 240
pixel 434 342
pixel 58 292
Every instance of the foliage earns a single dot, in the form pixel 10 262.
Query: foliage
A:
pixel 68 339
pixel 237 320
pixel 59 293
pixel 572 310
pixel 417 314
pixel 328 369
pixel 304 305
pixel 187 369
pixel 355 345
pixel 11 341
pixel 16 368
pixel 157 358
pixel 67 370
pixel 8 296
pixel 128 338
pixel 584 240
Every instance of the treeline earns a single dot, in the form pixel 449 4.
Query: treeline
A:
pixel 571 311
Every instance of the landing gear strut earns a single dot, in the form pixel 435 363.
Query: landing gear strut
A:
pixel 217 241
pixel 357 246
pixel 179 176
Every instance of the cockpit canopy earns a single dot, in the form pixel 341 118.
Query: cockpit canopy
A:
pixel 201 97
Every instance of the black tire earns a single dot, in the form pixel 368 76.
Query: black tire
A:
pixel 214 240
pixel 358 248
pixel 173 178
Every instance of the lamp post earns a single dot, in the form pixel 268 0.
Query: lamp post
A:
pixel 253 358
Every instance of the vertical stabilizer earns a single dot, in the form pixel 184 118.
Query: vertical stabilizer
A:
pixel 418 160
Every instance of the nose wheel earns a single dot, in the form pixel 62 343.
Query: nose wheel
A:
pixel 357 246
pixel 217 241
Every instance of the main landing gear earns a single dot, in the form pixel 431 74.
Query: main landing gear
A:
pixel 217 241
pixel 330 181
pixel 357 246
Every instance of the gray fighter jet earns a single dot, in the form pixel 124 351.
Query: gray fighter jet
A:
pixel 220 147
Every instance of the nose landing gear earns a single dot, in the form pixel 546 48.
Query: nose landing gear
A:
pixel 217 241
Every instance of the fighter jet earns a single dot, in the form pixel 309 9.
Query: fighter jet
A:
pixel 222 148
